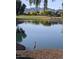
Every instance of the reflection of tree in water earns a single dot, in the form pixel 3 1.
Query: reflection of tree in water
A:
pixel 20 34
pixel 46 23
pixel 35 22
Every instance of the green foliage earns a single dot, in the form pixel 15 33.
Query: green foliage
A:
pixel 35 2
pixel 20 7
pixel 29 13
pixel 38 2
pixel 46 12
pixel 33 13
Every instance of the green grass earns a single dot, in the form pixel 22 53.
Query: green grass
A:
pixel 25 17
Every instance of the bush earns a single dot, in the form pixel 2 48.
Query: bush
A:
pixel 46 13
pixel 33 13
pixel 49 13
pixel 28 13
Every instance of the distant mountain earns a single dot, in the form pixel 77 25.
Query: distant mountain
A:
pixel 35 9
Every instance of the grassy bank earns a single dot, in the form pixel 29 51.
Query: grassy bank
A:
pixel 24 17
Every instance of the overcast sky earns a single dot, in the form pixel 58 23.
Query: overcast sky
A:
pixel 54 5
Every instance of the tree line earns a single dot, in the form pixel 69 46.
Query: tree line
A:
pixel 20 7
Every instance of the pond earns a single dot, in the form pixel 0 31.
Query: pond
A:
pixel 44 36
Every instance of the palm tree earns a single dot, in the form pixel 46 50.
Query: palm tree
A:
pixel 45 4
pixel 18 6
pixel 30 1
pixel 22 8
pixel 35 2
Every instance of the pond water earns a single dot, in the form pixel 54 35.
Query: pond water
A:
pixel 45 36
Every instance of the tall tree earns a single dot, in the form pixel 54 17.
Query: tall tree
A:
pixel 22 8
pixel 30 1
pixel 18 6
pixel 35 2
pixel 45 4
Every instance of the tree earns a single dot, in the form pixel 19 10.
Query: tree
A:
pixel 20 7
pixel 45 4
pixel 30 1
pixel 37 3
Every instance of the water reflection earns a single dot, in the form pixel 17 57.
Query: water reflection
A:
pixel 39 33
pixel 20 34
pixel 44 36
pixel 46 23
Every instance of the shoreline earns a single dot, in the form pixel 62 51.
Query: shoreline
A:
pixel 39 18
pixel 41 54
pixel 20 19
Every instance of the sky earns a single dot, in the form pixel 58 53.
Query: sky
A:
pixel 56 4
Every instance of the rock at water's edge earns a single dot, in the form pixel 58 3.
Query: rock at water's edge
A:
pixel 20 47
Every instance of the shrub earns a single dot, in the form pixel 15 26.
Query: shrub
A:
pixel 34 13
pixel 46 12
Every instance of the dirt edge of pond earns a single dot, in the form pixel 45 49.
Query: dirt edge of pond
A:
pixel 41 54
